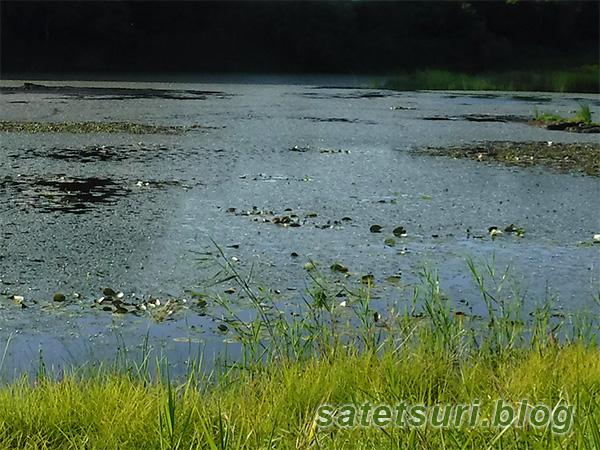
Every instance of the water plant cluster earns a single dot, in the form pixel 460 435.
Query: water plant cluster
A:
pixel 342 347
pixel 85 127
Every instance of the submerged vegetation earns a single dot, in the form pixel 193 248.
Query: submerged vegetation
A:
pixel 86 127
pixel 570 157
pixel 343 349
pixel 580 79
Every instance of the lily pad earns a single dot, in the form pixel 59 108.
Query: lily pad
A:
pixel 390 242
pixel 520 232
pixel 399 232
pixel 394 279
pixel 169 308
pixel 368 279
pixel 120 309
pixel 309 265
pixel 201 303
pixel 108 292
pixel 375 228
pixel 59 297
pixel 494 233
pixel 339 268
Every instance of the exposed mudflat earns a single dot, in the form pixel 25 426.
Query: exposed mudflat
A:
pixel 562 157
pixel 279 176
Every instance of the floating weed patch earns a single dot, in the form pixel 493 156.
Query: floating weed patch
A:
pixel 128 306
pixel 571 157
pixel 290 218
pixel 86 127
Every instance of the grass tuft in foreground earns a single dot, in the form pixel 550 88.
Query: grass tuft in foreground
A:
pixel 428 354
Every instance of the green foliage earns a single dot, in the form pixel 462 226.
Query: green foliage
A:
pixel 330 354
pixel 543 117
pixel 581 79
pixel 584 115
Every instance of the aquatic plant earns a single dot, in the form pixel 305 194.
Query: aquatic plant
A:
pixel 85 127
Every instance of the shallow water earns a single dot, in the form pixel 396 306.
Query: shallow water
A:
pixel 139 213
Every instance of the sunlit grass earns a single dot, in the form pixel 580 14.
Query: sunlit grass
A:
pixel 427 354
pixel 584 115
pixel 277 404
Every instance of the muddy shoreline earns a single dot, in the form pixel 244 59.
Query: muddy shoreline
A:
pixel 565 158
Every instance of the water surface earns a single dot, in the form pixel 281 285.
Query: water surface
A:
pixel 142 213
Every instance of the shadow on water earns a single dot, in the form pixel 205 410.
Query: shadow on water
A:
pixel 71 195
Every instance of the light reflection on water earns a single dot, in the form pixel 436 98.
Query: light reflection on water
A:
pixel 159 238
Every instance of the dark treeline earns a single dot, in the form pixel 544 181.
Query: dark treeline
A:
pixel 358 36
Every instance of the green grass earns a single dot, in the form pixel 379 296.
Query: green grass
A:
pixel 584 115
pixel 275 407
pixel 267 399
pixel 580 79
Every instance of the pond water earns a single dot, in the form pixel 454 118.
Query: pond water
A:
pixel 142 213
